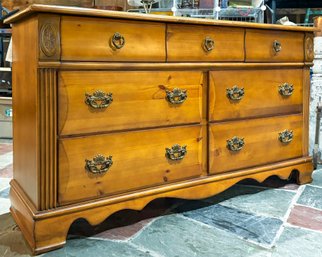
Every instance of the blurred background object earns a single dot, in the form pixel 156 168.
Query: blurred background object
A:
pixel 115 5
pixel 5 78
pixel 19 4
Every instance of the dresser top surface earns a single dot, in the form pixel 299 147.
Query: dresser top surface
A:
pixel 77 11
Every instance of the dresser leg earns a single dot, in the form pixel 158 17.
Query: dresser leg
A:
pixel 305 174
pixel 41 234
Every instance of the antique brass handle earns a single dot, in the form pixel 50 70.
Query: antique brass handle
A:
pixel 285 136
pixel 286 89
pixel 208 44
pixel 277 46
pixel 176 152
pixel 235 93
pixel 99 164
pixel 99 99
pixel 117 41
pixel 235 144
pixel 176 96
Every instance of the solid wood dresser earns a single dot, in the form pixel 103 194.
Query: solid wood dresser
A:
pixel 113 110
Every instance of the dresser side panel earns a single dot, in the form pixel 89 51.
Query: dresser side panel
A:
pixel 306 110
pixel 25 104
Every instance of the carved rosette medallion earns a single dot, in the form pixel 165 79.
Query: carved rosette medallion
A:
pixel 309 51
pixel 49 39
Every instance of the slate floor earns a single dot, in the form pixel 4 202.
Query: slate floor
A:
pixel 274 218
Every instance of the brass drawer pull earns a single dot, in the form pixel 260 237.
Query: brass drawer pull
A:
pixel 277 46
pixel 286 89
pixel 176 96
pixel 285 136
pixel 235 93
pixel 208 44
pixel 117 41
pixel 235 144
pixel 176 152
pixel 99 164
pixel 99 99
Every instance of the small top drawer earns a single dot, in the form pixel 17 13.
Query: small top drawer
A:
pixel 204 43
pixel 89 39
pixel 274 46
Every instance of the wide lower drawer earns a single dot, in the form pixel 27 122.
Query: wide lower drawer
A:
pixel 238 94
pixel 204 43
pixel 242 144
pixel 102 165
pixel 274 46
pixel 93 101
pixel 94 39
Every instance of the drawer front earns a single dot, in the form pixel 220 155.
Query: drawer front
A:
pixel 204 43
pixel 140 160
pixel 262 142
pixel 238 94
pixel 274 46
pixel 131 100
pixel 89 39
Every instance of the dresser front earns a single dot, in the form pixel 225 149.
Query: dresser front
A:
pixel 126 109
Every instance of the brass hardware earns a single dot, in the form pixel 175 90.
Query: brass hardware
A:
pixel 286 89
pixel 176 96
pixel 99 99
pixel 176 152
pixel 235 144
pixel 117 41
pixel 235 93
pixel 277 46
pixel 285 136
pixel 99 164
pixel 208 44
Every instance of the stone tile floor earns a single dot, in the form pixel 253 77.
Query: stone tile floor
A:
pixel 274 218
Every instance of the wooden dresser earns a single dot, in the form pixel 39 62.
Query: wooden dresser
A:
pixel 112 110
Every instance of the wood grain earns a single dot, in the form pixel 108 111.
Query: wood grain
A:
pixel 261 142
pixel 25 108
pixel 259 46
pixel 139 100
pixel 185 43
pixel 261 96
pixel 138 161
pixel 306 110
pixel 143 41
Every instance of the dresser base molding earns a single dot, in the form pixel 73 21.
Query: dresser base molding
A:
pixel 47 230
